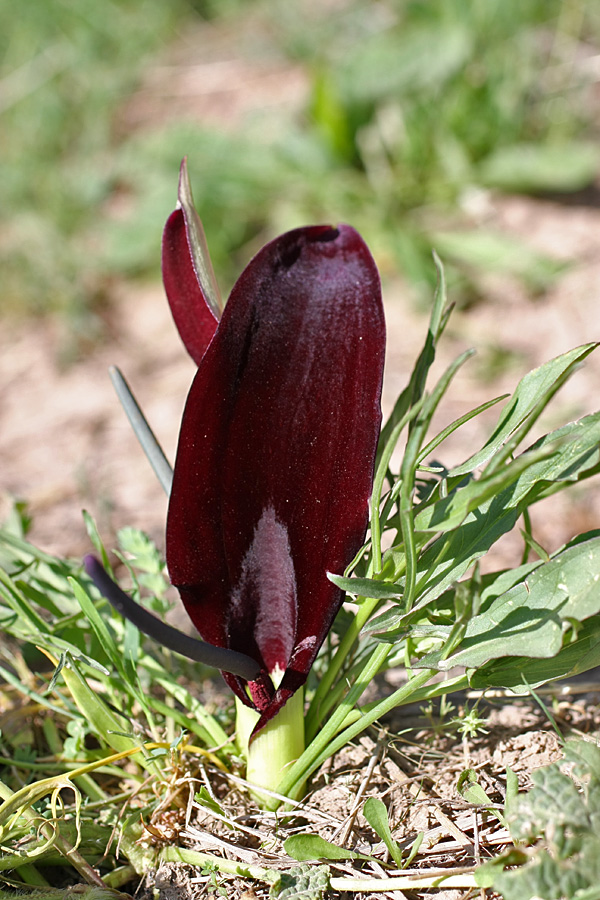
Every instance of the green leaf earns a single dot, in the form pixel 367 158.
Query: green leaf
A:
pixel 311 846
pixel 203 798
pixel 199 721
pixel 521 673
pixel 303 882
pixel 512 792
pixel 575 456
pixel 399 60
pixel 469 788
pixel 142 430
pixel 94 536
pixel 105 638
pixel 367 587
pixel 376 814
pixel 456 424
pixel 531 389
pixel 528 619
pixel 448 513
pixel 387 621
pixel 449 557
pixel 562 818
pixel 413 392
pixel 104 722
pixel 497 583
pixel 15 599
pixel 565 455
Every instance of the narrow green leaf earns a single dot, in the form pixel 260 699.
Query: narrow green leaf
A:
pixel 526 397
pixel 419 427
pixel 105 638
pixel 154 452
pixel 131 655
pixel 92 707
pixel 20 605
pixel 381 470
pixel 367 587
pixel 448 513
pixel 199 721
pixel 23 546
pixel 528 619
pixel 456 424
pixel 94 536
pixel 376 814
pixel 512 792
pixel 416 386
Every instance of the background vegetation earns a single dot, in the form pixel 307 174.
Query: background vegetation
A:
pixel 408 113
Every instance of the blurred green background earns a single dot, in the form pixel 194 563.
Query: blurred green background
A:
pixel 397 116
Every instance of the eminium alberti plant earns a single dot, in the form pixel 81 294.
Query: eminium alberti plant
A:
pixel 313 552
pixel 274 468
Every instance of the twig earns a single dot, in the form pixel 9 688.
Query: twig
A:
pixel 346 828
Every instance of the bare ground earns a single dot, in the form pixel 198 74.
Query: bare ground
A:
pixel 412 763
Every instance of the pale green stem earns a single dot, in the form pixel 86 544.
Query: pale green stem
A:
pixel 274 749
pixel 404 882
pixel 327 743
pixel 301 770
